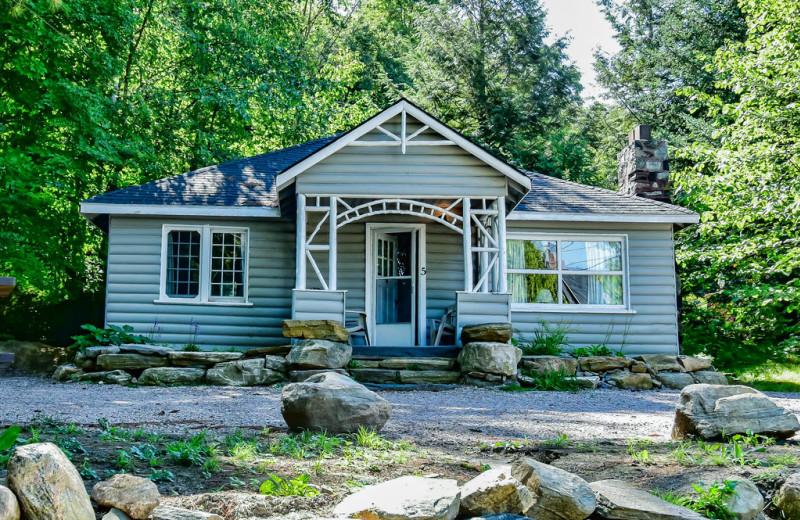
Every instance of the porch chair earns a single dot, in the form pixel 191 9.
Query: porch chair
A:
pixel 446 324
pixel 357 325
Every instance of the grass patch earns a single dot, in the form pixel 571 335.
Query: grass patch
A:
pixel 774 378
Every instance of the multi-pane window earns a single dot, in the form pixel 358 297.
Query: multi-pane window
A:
pixel 227 265
pixel 204 264
pixel 183 264
pixel 565 271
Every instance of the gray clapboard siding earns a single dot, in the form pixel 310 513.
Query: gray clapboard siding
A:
pixel 653 326
pixel 318 305
pixel 423 170
pixel 477 308
pixel 134 267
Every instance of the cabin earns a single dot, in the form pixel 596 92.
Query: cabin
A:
pixel 403 229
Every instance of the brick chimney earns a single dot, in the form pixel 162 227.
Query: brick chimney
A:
pixel 643 166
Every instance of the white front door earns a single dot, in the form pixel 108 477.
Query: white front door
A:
pixel 394 286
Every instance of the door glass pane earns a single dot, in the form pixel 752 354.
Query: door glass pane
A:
pixel 394 288
pixel 593 289
pixel 393 300
pixel 533 288
pixel 591 256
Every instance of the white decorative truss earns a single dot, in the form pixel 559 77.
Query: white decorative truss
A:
pixel 483 227
pixel 404 140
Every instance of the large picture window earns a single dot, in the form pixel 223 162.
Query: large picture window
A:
pixel 204 264
pixel 556 272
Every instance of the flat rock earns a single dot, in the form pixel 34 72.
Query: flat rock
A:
pixel 639 367
pixel 93 352
pixel 115 514
pixel 558 495
pixel 693 364
pixel 319 353
pixel 297 376
pixel 130 361
pixel 674 380
pixel 243 372
pixel 630 381
pixel 617 500
pixel 494 491
pixel 487 332
pixel 502 516
pixel 333 402
pixel 172 376
pixel 590 382
pixel 47 485
pixel 404 498
pixel 112 377
pixel 710 377
pixel 9 507
pixel 544 364
pixel 316 329
pixel 661 362
pixel 134 495
pixel 65 372
pixel 375 375
pixel 418 363
pixel 176 513
pixel 746 503
pixel 600 363
pixel 788 497
pixel 415 377
pixel 276 363
pixel 706 411
pixel 145 350
pixel 281 350
pixel 492 358
pixel 181 358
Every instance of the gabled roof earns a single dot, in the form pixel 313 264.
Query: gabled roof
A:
pixel 551 198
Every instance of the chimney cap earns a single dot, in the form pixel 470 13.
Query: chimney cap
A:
pixel 639 133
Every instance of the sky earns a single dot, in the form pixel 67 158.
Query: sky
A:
pixel 585 24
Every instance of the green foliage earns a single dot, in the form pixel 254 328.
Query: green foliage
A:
pixel 86 471
pixel 194 452
pixel 276 486
pixel 161 475
pixel 546 340
pixel 596 350
pixel 554 380
pixel 112 335
pixel 307 444
pixel 709 500
pixel 7 441
pixel 561 440
pixel 370 439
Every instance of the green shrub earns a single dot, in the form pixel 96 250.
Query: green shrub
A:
pixel 276 486
pixel 555 380
pixel 708 501
pixel 596 350
pixel 112 335
pixel 546 341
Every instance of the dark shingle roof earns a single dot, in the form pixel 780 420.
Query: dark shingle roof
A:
pixel 246 182
pixel 552 195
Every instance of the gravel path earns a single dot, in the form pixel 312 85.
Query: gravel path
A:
pixel 450 417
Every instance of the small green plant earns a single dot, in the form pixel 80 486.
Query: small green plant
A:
pixel 70 446
pixel 276 486
pixel 124 461
pixel 87 472
pixel 7 441
pixel 112 335
pixel 547 340
pixel 370 439
pixel 710 500
pixel 244 451
pixel 191 347
pixel 553 381
pixel 306 445
pixel 192 452
pixel 353 364
pixel 596 350
pixel 161 475
pixel 561 440
pixel 781 461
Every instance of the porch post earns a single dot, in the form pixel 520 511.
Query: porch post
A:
pixel 467 244
pixel 300 249
pixel 332 244
pixel 502 256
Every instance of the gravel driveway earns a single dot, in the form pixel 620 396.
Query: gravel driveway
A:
pixel 449 417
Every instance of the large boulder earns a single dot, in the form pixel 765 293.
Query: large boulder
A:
pixel 492 492
pixel 9 507
pixel 316 329
pixel 788 497
pixel 172 376
pixel 674 380
pixel 746 503
pixel 298 376
pixel 544 364
pixel 244 372
pixel 617 500
pixel 661 362
pixel 710 377
pixel 487 332
pixel 601 363
pixel 319 353
pixel 707 411
pixel 130 361
pixel 333 402
pixel 404 498
pixel 47 485
pixel 558 495
pixel 136 496
pixel 180 358
pixel 492 358
pixel 176 513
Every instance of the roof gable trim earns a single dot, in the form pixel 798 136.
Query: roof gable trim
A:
pixel 544 216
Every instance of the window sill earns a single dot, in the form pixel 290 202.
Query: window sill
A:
pixel 517 307
pixel 209 304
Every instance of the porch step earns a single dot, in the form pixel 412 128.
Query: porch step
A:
pixel 412 388
pixel 385 375
pixel 403 352
pixel 412 363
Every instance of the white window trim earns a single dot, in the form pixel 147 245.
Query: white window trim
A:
pixel 580 309
pixel 204 295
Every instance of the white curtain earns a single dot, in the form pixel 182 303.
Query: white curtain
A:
pixel 603 289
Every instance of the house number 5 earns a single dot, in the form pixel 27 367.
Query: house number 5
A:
pixel 423 271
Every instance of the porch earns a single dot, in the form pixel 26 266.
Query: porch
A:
pixel 410 271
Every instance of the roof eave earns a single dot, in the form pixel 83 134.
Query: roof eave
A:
pixel 91 209
pixel 547 216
